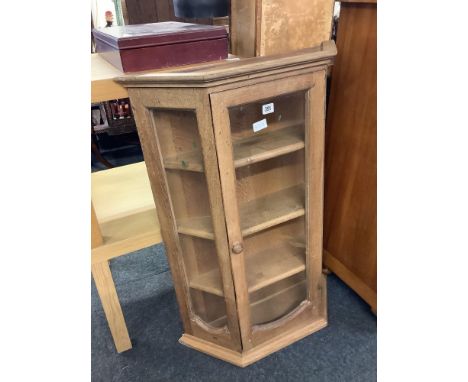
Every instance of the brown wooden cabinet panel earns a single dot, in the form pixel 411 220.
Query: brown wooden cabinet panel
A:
pixel 264 27
pixel 350 227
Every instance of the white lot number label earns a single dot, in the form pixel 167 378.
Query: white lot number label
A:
pixel 260 125
pixel 268 108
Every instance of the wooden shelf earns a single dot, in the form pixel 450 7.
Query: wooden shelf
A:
pixel 269 145
pixel 263 268
pixel 198 227
pixel 273 209
pixel 281 141
pixel 272 265
pixel 208 282
pixel 255 216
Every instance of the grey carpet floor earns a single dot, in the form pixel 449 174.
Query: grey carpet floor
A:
pixel 343 351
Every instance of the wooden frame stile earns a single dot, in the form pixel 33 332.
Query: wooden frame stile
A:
pixel 183 99
pixel 228 187
pixel 204 119
pixel 240 45
pixel 258 27
pixel 315 156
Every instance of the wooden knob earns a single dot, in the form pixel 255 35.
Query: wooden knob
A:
pixel 237 248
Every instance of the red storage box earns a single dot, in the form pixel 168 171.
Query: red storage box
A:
pixel 134 48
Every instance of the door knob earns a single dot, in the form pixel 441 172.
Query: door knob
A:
pixel 237 248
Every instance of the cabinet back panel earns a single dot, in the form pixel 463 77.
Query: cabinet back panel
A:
pixel 177 131
pixel 287 108
pixel 270 176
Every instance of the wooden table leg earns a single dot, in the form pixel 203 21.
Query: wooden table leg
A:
pixel 110 302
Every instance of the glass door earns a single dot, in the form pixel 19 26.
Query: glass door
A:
pixel 263 134
pixel 268 148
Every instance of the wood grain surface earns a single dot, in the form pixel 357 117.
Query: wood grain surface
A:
pixel 103 87
pixel 110 302
pixel 351 154
pixel 266 27
pixel 287 25
pixel 228 218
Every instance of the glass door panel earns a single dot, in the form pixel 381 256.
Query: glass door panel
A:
pixel 180 147
pixel 268 150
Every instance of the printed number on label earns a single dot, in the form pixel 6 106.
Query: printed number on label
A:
pixel 268 108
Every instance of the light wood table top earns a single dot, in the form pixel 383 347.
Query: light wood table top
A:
pixel 103 87
pixel 125 210
pixel 121 191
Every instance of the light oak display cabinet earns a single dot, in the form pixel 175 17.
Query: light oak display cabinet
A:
pixel 234 152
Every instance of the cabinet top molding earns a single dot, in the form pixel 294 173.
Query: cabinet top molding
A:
pixel 207 75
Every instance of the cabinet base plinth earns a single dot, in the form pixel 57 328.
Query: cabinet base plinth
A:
pixel 259 352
